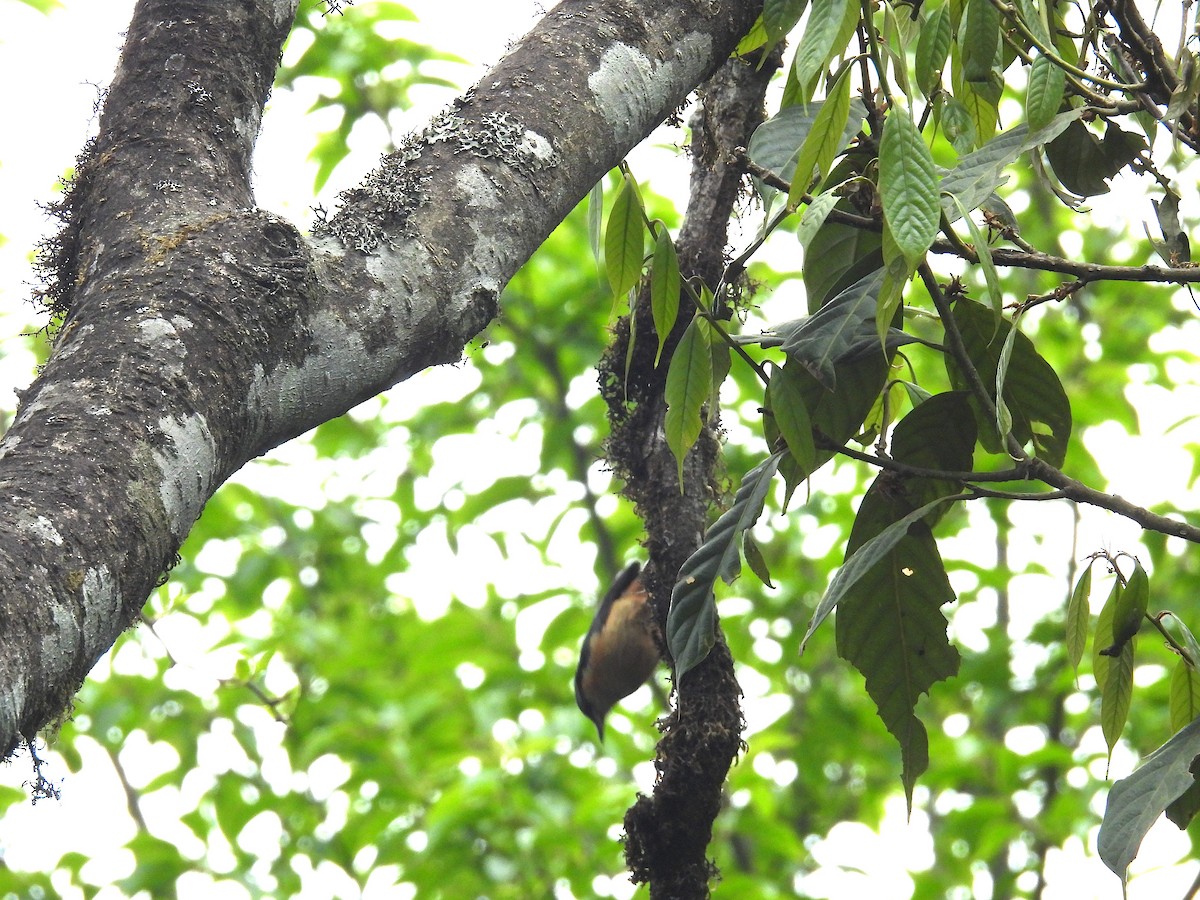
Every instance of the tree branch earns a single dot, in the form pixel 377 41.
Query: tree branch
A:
pixel 200 331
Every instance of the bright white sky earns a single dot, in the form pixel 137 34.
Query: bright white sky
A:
pixel 53 68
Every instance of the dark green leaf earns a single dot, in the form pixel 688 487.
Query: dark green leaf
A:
pixel 980 38
pixel 1033 394
pixel 692 616
pixel 818 44
pixel 785 399
pixel 933 46
pixel 1134 803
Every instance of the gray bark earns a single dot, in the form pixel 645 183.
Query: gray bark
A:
pixel 201 332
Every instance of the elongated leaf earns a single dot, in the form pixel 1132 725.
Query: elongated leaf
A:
pixel 1033 19
pixel 689 382
pixel 893 584
pixel 817 46
pixel 1045 92
pixel 785 398
pixel 664 288
pixel 891 628
pixel 1117 696
pixel 1078 617
pixel 909 185
pixel 692 617
pixel 754 558
pixel 1003 416
pixel 980 40
pixel 1134 803
pixel 776 143
pixel 863 561
pixel 1130 609
pixel 933 46
pixel 824 140
pixel 1184 699
pixel 1040 410
pixel 623 241
pixel 1101 663
pixel 838 256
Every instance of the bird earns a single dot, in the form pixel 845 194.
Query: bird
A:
pixel 619 652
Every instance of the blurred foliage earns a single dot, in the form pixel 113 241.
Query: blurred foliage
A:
pixel 357 682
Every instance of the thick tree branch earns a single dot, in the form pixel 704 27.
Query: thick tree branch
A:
pixel 200 331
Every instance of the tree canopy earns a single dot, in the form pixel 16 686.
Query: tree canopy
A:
pixel 916 354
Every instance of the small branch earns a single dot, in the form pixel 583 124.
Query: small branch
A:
pixel 1081 493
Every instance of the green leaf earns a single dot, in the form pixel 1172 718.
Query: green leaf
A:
pixel 692 617
pixel 1083 162
pixel 1100 662
pixel 785 399
pixel 890 625
pixel 1078 617
pixel 814 217
pixel 862 562
pixel 933 46
pixel 1130 609
pixel 1136 802
pixel 837 257
pixel 1044 95
pixel 1184 697
pixel 689 381
pixel 1035 398
pixel 1003 416
pixel 841 329
pixel 1033 20
pixel 776 143
pixel 1117 695
pixel 979 36
pixel 825 139
pixel 891 589
pixel 909 186
pixel 780 16
pixel 755 560
pixel 818 44
pixel 978 174
pixel 623 240
pixel 664 288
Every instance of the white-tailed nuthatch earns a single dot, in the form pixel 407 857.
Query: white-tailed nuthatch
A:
pixel 619 652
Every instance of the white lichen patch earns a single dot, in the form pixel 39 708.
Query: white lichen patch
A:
pixel 187 463
pixel 632 90
pixel 154 330
pixel 102 605
pixel 43 528
pixel 476 188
